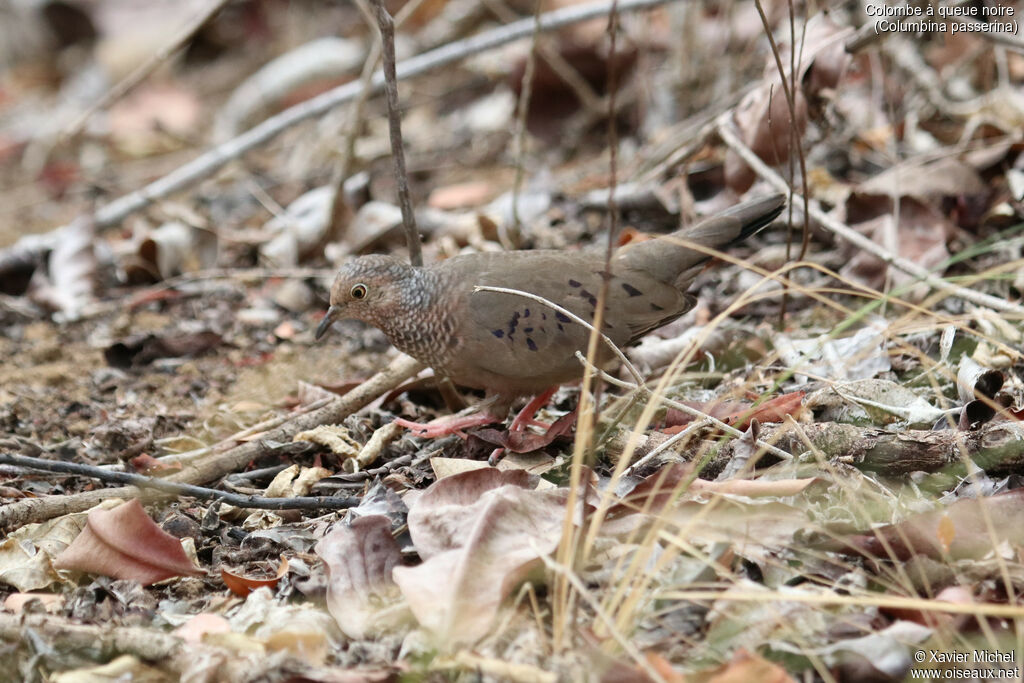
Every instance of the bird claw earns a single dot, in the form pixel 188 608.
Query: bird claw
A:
pixel 445 426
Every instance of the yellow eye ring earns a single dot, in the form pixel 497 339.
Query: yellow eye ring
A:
pixel 358 291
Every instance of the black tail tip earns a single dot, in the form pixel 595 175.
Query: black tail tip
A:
pixel 755 214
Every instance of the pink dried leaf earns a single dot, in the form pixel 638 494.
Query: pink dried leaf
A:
pixel 359 559
pixel 501 537
pixel 124 543
pixel 441 515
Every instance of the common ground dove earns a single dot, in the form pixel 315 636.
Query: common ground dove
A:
pixel 511 346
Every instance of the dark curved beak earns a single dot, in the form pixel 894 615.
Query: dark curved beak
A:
pixel 328 320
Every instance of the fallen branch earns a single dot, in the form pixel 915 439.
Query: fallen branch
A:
pixel 217 464
pixel 997 448
pixel 102 640
pixel 178 489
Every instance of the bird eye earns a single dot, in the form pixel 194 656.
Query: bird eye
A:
pixel 358 292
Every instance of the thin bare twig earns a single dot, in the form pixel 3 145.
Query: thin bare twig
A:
pixel 212 160
pixel 176 489
pixel 387 43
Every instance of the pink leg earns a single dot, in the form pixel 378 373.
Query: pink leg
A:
pixel 447 425
pixel 525 417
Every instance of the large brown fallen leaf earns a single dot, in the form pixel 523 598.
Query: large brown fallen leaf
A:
pixel 481 533
pixel 361 594
pixel 125 543
pixel 26 554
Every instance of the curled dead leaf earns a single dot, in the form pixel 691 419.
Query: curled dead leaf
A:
pixel 124 543
pixel 482 533
pixel 360 591
pixel 243 585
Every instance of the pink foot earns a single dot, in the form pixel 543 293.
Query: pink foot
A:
pixel 446 425
pixel 525 419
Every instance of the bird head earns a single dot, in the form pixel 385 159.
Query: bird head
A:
pixel 366 289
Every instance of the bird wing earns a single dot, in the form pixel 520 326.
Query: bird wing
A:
pixel 512 336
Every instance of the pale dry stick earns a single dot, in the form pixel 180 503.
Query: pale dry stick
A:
pixel 177 489
pixel 242 274
pixel 341 171
pixel 729 135
pixel 219 464
pixel 213 159
pixel 150 644
pixel 492 669
pixel 908 59
pixel 343 166
pixel 128 83
pixel 387 43
pixel 689 431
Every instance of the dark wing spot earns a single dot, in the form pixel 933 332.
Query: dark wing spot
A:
pixel 574 283
pixel 526 312
pixel 656 307
pixel 512 325
pixel 631 290
pixel 527 330
pixel 543 316
pixel 563 317
pixel 530 344
pixel 591 299
pixel 560 328
pixel 498 333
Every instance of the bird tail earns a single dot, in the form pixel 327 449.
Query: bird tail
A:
pixel 674 258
